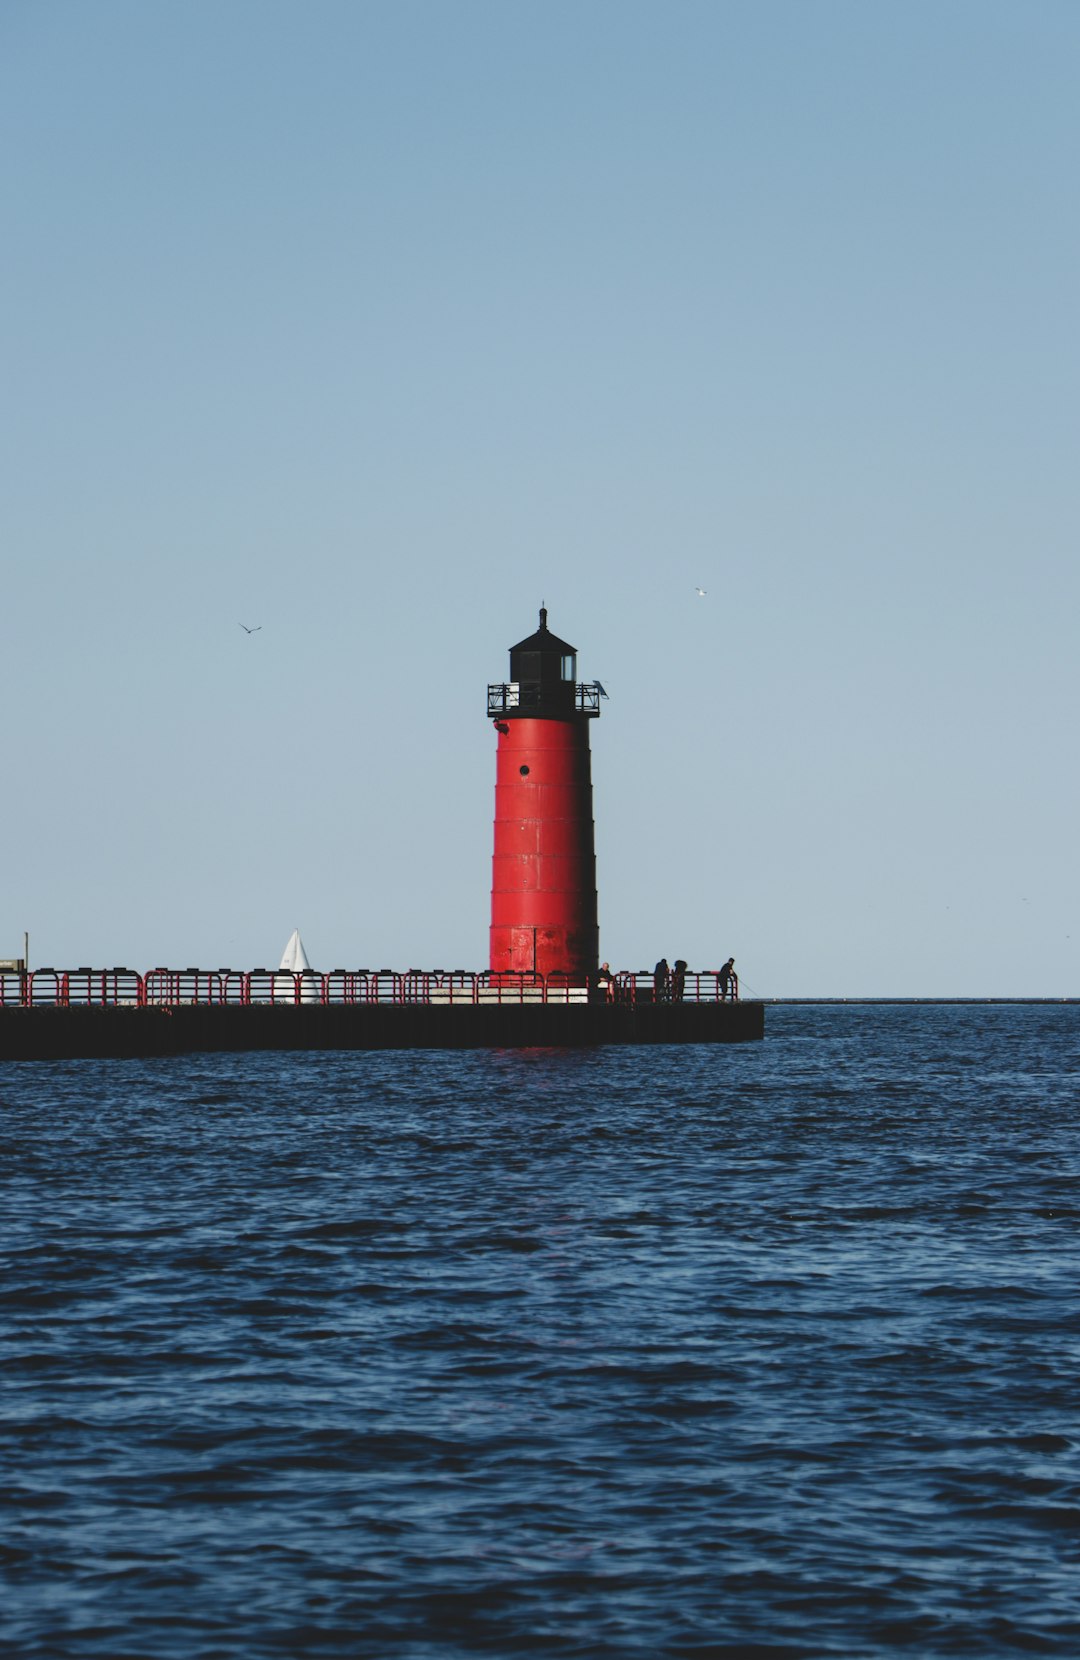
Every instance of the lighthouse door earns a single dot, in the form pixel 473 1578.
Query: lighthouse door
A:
pixel 523 950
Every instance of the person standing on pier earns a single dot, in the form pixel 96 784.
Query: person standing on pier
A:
pixel 728 982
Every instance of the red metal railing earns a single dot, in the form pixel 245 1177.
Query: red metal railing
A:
pixel 173 987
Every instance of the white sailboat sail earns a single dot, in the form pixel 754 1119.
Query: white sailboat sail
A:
pixel 294 960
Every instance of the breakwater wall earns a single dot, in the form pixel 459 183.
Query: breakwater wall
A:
pixel 49 1032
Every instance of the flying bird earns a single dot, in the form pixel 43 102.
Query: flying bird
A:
pixel 599 688
pixel 701 592
pixel 248 630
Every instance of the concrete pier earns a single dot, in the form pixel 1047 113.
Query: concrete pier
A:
pixel 47 1033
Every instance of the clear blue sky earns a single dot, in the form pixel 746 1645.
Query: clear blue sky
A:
pixel 377 324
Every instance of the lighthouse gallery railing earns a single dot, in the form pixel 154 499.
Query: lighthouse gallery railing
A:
pixel 173 987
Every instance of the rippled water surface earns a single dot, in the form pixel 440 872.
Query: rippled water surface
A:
pixel 760 1350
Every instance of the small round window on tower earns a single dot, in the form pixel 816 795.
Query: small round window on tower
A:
pixel 524 771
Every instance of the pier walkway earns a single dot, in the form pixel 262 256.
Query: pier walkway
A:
pixel 53 1014
pixel 243 988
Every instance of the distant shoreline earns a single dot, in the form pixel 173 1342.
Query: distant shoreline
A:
pixel 936 1002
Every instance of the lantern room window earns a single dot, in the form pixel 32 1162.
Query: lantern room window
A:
pixel 568 668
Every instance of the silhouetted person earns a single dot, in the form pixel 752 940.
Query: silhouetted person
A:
pixel 678 980
pixel 727 978
pixel 605 983
pixel 661 979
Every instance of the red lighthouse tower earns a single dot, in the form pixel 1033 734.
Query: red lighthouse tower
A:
pixel 543 889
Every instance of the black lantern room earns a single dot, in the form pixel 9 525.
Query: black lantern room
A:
pixel 543 680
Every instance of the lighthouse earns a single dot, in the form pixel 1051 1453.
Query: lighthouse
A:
pixel 543 888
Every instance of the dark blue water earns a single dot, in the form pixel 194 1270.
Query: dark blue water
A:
pixel 763 1350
